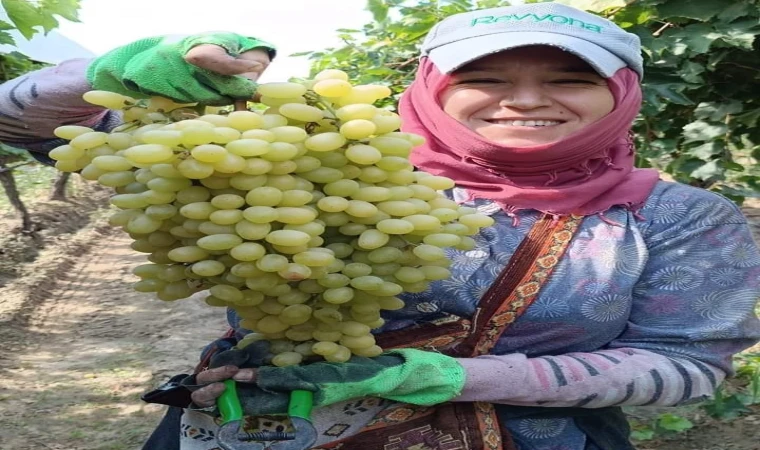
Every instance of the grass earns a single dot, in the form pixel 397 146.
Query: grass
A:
pixel 33 181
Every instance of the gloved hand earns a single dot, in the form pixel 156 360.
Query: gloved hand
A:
pixel 210 68
pixel 405 375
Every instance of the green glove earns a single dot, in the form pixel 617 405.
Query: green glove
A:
pixel 405 375
pixel 156 66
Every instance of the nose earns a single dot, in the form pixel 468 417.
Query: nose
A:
pixel 524 96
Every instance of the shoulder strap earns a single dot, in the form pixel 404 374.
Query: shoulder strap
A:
pixel 519 283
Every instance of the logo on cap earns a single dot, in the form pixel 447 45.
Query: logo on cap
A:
pixel 556 18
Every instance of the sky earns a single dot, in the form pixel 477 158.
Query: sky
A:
pixel 292 25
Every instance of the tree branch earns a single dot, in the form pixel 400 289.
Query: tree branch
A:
pixel 12 168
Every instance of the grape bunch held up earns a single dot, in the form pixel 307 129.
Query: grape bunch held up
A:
pixel 306 218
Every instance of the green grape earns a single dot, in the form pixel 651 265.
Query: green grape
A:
pixel 197 210
pixel 295 272
pixel 372 239
pixel 296 314
pixel 281 89
pixel 359 208
pixel 357 342
pixel 343 354
pixel 341 188
pixel 227 293
pixel 245 120
pixel 111 163
pixel 272 263
pixel 285 359
pixel 260 214
pixel 264 135
pixel 208 227
pixel 208 268
pixel 325 348
pixel 295 216
pixel 288 237
pixel 384 255
pixel 300 112
pixel 363 154
pixel 372 194
pixel 248 251
pixel 271 324
pixel 325 142
pixel 252 231
pixel 476 220
pixel 226 216
pixel 117 179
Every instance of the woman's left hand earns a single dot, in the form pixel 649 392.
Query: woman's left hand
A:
pixel 404 375
pixel 208 68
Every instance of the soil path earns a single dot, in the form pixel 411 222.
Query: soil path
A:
pixel 78 356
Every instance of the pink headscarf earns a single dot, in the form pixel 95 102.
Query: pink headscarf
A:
pixel 585 173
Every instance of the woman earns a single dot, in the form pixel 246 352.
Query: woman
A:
pixel 529 109
pixel 622 290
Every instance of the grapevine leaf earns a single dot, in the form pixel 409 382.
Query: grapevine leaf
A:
pixel 749 118
pixel 701 131
pixel 670 92
pixel 717 111
pixel 8 150
pixel 379 9
pixel 738 9
pixel 709 170
pixel 733 166
pixel 6 38
pixel 674 422
pixel 48 22
pixel 707 150
pixel 68 9
pixel 6 26
pixel 740 34
pixel 23 15
pixel 642 435
pixel 702 10
pixel 698 37
pixel 730 408
pixel 691 73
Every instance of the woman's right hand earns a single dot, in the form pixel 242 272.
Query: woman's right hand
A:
pixel 206 396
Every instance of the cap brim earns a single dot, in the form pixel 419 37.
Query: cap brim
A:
pixel 450 57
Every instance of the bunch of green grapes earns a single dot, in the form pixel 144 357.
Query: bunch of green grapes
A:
pixel 307 219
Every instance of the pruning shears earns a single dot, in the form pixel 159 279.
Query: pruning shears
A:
pixel 232 437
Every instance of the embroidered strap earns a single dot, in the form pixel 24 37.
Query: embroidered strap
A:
pixel 518 285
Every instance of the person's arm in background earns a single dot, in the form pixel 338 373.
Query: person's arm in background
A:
pixel 213 68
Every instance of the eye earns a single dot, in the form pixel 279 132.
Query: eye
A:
pixel 572 81
pixel 479 81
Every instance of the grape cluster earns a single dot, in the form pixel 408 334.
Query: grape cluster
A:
pixel 306 218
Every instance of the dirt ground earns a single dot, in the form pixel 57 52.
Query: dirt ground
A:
pixel 79 346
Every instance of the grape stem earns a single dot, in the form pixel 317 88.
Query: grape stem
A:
pixel 241 105
pixel 317 99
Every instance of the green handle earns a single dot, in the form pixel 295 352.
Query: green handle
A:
pixel 300 404
pixel 229 403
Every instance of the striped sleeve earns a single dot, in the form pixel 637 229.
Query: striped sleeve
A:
pixel 624 376
pixel 33 105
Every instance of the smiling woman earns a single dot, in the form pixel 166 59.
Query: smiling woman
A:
pixel 527 96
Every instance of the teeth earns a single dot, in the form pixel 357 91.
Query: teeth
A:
pixel 529 123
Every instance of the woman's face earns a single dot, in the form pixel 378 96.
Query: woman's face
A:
pixel 527 96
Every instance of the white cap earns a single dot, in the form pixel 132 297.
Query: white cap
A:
pixel 466 37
